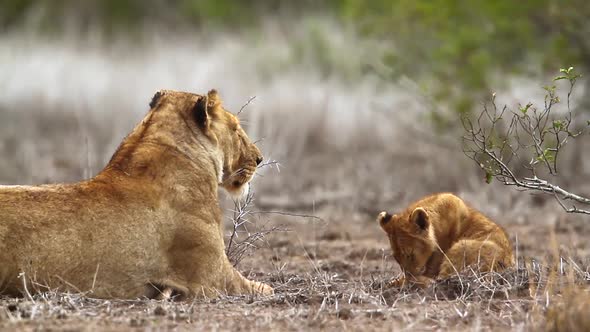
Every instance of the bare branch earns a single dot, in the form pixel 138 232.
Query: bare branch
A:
pixel 307 216
pixel 535 137
pixel 238 247
pixel 246 104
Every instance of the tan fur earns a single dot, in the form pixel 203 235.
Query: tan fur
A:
pixel 440 235
pixel 149 222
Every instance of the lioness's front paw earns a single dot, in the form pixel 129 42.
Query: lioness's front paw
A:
pixel 262 289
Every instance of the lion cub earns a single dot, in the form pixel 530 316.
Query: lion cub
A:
pixel 440 235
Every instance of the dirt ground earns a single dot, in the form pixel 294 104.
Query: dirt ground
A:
pixel 328 273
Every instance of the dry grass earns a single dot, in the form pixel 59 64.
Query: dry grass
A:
pixel 324 282
pixel 571 314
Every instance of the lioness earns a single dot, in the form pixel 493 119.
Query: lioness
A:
pixel 439 235
pixel 150 222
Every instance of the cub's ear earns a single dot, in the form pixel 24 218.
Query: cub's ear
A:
pixel 384 220
pixel 420 217
pixel 155 99
pixel 200 112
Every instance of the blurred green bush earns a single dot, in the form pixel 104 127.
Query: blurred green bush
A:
pixel 129 13
pixel 456 49
pixel 465 43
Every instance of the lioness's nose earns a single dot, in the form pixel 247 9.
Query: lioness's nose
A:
pixel 258 160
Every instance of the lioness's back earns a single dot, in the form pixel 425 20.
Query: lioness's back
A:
pixel 52 228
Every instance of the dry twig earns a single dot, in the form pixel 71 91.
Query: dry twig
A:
pixel 504 143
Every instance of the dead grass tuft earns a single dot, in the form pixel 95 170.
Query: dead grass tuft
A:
pixel 570 314
pixel 472 285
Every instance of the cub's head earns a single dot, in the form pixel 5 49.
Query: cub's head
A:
pixel 202 129
pixel 411 237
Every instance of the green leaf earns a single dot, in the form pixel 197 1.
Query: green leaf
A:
pixel 558 125
pixel 547 155
pixel 566 71
pixel 489 177
pixel 525 108
pixel 550 89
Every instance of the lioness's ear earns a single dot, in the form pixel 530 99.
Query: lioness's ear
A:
pixel 200 112
pixel 420 218
pixel 213 99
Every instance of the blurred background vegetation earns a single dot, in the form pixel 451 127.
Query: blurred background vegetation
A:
pixel 456 49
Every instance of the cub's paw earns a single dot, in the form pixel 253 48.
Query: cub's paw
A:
pixel 412 282
pixel 398 282
pixel 422 281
